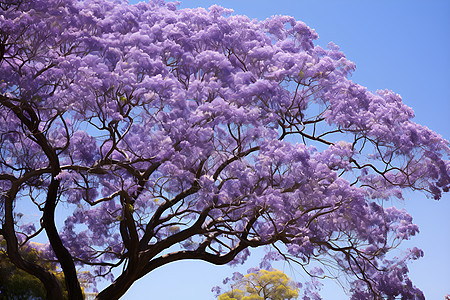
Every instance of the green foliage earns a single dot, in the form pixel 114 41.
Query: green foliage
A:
pixel 264 285
pixel 18 284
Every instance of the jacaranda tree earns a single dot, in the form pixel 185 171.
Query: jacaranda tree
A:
pixel 144 134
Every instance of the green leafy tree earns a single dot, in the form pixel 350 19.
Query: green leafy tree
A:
pixel 264 285
pixel 18 284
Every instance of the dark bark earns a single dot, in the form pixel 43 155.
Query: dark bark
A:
pixel 63 255
pixel 120 286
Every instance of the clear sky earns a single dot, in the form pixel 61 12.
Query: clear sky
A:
pixel 401 45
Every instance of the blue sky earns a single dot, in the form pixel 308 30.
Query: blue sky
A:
pixel 401 45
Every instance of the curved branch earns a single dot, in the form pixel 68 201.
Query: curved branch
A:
pixel 30 119
pixel 47 278
pixel 234 158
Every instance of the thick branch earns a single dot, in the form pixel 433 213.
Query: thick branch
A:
pixel 30 119
pixel 197 255
pixel 49 281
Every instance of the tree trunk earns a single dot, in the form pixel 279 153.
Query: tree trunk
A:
pixel 118 288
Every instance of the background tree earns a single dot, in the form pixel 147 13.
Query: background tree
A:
pixel 164 135
pixel 261 284
pixel 17 284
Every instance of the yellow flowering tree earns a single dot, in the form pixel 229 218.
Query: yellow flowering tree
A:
pixel 262 285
